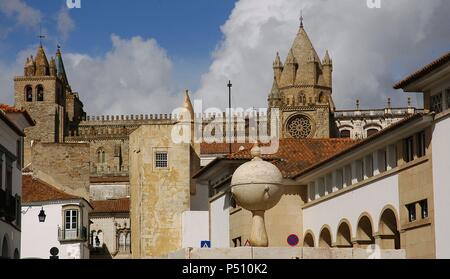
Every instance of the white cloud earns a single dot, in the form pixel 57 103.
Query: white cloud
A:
pixel 24 14
pixel 133 77
pixel 64 23
pixel 371 48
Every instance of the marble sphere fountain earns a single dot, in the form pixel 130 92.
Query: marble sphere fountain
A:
pixel 256 186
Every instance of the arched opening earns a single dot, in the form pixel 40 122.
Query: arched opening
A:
pixel 101 158
pixel 40 93
pixel 308 241
pixel 345 134
pixel 16 254
pixel 99 240
pixel 128 243
pixel 29 93
pixel 388 232
pixel 5 248
pixel 122 242
pixel 364 232
pixel 344 236
pixel 371 132
pixel 325 238
pixel 93 237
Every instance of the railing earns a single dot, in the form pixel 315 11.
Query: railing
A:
pixel 79 235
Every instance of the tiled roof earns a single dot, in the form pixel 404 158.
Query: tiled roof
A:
pixel 221 148
pixel 10 109
pixel 295 155
pixel 359 144
pixel 111 206
pixel 423 71
pixel 36 190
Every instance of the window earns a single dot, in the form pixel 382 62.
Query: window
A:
pixel 448 98
pixel 1 170
pixel 71 219
pixel 161 160
pixel 371 132
pixel 424 208
pixel 19 153
pixel 40 93
pixel 411 212
pixel 409 149
pixel 101 156
pixel 9 170
pixel 421 146
pixel 29 94
pixel 345 134
pixel 436 103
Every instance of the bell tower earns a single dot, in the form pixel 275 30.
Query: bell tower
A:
pixel 302 90
pixel 41 92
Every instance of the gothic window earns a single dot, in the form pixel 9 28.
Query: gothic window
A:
pixel 29 93
pixel 321 98
pixel 101 156
pixel 345 134
pixel 40 93
pixel 299 127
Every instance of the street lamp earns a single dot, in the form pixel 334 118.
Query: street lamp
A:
pixel 42 216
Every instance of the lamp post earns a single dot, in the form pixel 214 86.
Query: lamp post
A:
pixel 42 216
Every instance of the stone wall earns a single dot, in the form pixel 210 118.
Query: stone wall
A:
pixel 286 253
pixel 67 164
pixel 159 196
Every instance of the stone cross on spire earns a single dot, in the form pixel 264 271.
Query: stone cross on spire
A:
pixel 301 18
pixel 40 35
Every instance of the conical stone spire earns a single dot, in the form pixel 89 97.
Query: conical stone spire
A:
pixel 42 66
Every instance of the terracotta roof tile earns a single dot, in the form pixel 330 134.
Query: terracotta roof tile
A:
pixel 10 109
pixel 293 155
pixel 360 143
pixel 221 148
pixel 423 71
pixel 36 190
pixel 111 206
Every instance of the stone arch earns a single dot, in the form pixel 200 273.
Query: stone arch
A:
pixel 40 93
pixel 101 238
pixel 364 230
pixel 5 247
pixel 388 229
pixel 308 240
pixel 344 234
pixel 325 240
pixel 28 91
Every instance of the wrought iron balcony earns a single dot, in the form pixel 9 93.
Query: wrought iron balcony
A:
pixel 73 235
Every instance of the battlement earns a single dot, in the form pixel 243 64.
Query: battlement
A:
pixel 138 119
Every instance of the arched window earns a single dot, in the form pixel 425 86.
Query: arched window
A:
pixel 101 159
pixel 345 134
pixel 371 132
pixel 40 93
pixel 29 93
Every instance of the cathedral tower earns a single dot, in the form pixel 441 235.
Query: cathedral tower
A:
pixel 302 90
pixel 42 92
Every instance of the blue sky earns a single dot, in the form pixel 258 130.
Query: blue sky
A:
pixel 178 26
pixel 138 56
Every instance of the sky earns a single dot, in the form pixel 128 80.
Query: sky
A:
pixel 134 57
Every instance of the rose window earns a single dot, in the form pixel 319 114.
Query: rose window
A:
pixel 299 127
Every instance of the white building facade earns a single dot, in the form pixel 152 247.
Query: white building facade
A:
pixel 65 226
pixel 12 124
